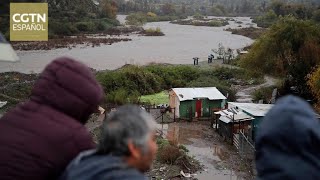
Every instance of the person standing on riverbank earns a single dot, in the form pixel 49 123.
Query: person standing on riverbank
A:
pixel 42 135
pixel 287 143
pixel 126 149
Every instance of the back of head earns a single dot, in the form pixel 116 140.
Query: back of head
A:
pixel 69 87
pixel 288 142
pixel 128 123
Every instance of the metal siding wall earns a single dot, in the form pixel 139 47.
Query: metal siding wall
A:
pixel 255 124
pixel 184 108
pixel 205 107
pixel 215 104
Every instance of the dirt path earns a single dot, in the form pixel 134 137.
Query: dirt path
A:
pixel 244 94
pixel 221 162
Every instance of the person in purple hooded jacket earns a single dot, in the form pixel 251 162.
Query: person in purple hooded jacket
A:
pixel 38 138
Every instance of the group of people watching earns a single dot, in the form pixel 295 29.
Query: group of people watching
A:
pixel 45 138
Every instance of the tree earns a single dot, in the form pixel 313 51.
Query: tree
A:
pixel 277 7
pixel 183 8
pixel 108 9
pixel 314 83
pixel 316 15
pixel 290 49
pixel 168 9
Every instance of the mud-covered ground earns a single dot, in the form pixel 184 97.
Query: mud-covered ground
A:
pixel 220 160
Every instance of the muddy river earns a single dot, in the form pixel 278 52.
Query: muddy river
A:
pixel 179 45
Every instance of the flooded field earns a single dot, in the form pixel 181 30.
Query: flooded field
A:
pixel 220 161
pixel 179 45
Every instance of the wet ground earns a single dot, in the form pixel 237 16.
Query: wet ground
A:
pixel 221 161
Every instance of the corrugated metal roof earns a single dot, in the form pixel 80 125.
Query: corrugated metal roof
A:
pixel 211 93
pixel 253 109
pixel 233 114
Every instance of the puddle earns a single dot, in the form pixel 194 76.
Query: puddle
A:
pixel 204 147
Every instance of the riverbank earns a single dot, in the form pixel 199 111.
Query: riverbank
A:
pixel 109 37
pixel 251 32
pixel 66 42
pixel 202 22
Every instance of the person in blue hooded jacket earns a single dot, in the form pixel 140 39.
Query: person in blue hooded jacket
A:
pixel 126 149
pixel 288 142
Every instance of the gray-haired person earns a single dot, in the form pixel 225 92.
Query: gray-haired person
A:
pixel 126 149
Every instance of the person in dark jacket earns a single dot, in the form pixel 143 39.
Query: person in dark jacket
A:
pixel 288 142
pixel 126 149
pixel 40 137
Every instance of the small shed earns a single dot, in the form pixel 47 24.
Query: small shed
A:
pixel 196 102
pixel 232 121
pixel 257 111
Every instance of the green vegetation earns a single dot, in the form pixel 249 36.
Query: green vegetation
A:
pixel 140 18
pixel 153 32
pixel 253 33
pixel 203 22
pixel 277 9
pixel 314 83
pixel 210 7
pixel 158 98
pixel 264 93
pixel 290 49
pixel 267 19
pixel 169 153
pixel 64 27
pixel 71 17
pixel 15 87
pixel 81 17
pixel 198 16
pixel 125 85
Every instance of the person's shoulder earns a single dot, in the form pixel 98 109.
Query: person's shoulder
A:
pixel 127 174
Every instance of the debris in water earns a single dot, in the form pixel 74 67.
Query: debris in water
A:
pixel 187 175
pixel 162 169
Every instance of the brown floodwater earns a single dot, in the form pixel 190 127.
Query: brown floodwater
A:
pixel 179 45
pixel 203 145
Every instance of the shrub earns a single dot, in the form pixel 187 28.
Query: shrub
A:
pixel 169 154
pixel 153 32
pixel 264 93
pixel 215 23
pixel 61 28
pixel 85 26
pixel 100 26
pixel 136 19
pixel 162 142
pixel 184 148
pixel 198 16
pixel 151 14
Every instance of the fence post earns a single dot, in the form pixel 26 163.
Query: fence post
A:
pixel 190 113
pixel 174 114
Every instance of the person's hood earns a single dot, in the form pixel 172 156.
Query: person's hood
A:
pixel 288 142
pixel 70 87
pixel 89 165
